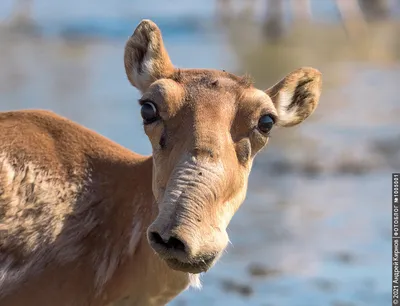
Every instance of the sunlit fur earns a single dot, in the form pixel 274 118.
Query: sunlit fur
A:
pixel 76 208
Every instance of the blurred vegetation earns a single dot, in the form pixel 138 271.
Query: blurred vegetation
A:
pixel 369 34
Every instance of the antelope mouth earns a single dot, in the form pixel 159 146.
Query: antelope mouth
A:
pixel 195 267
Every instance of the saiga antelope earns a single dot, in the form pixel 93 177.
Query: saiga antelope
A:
pixel 84 221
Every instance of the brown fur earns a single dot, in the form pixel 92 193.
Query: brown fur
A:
pixel 77 210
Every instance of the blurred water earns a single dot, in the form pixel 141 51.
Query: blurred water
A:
pixel 315 227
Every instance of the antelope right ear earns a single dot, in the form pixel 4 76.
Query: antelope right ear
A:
pixel 145 58
pixel 296 96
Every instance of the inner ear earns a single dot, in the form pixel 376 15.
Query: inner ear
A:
pixel 146 59
pixel 296 96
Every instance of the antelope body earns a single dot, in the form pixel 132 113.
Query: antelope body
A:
pixel 84 221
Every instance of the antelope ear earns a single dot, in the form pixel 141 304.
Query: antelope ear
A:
pixel 145 58
pixel 296 96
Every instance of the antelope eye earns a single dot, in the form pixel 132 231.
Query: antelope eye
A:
pixel 149 112
pixel 265 124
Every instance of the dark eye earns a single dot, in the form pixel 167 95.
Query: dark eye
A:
pixel 149 112
pixel 265 124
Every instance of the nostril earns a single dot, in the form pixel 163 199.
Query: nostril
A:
pixel 173 243
pixel 176 244
pixel 155 237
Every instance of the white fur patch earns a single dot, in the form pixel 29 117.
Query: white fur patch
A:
pixel 285 99
pixel 143 79
pixel 195 281
pixel 108 263
pixel 135 236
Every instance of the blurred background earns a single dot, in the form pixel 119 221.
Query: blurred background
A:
pixel 315 227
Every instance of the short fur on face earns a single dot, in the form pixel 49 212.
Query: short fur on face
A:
pixel 205 139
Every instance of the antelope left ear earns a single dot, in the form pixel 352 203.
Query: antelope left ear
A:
pixel 146 59
pixel 296 96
